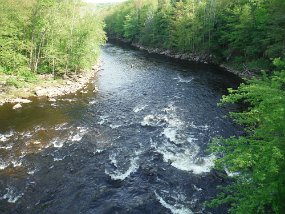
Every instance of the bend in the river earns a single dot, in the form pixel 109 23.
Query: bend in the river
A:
pixel 136 146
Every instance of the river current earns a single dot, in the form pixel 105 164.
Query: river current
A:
pixel 138 145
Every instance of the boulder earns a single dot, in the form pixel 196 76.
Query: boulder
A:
pixel 19 100
pixel 41 92
pixel 17 106
pixel 52 100
pixel 36 142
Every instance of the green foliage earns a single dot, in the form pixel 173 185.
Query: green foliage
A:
pixel 26 75
pixel 14 81
pixel 47 36
pixel 259 156
pixel 243 32
pixel 130 26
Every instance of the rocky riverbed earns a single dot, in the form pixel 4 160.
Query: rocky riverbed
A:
pixel 51 89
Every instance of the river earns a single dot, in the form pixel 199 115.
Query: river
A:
pixel 138 145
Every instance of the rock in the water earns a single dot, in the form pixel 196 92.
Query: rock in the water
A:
pixel 17 106
pixel 36 142
pixel 52 100
pixel 19 100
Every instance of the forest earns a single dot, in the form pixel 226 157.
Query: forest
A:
pixel 63 37
pixel 242 33
pixel 47 37
pixel 246 35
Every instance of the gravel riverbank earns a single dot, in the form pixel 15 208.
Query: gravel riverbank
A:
pixel 47 87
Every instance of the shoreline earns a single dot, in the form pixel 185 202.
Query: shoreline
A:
pixel 48 87
pixel 189 57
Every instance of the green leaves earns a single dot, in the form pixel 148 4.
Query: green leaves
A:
pixel 259 156
pixel 131 26
pixel 246 34
pixel 45 36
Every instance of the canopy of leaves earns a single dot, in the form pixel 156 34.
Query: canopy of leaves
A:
pixel 48 36
pixel 246 33
pixel 258 158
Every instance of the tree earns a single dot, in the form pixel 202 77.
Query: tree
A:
pixel 258 157
pixel 48 36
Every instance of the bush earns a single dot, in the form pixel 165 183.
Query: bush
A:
pixel 27 75
pixel 14 81
pixel 258 157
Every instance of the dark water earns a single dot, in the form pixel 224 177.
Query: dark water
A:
pixel 136 146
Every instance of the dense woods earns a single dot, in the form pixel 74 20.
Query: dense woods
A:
pixel 47 36
pixel 246 35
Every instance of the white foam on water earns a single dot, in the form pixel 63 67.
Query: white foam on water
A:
pixel 31 172
pixel 204 166
pixel 152 144
pixel 77 137
pixel 197 188
pixel 93 102
pixel 172 135
pixel 148 120
pixel 5 137
pixel 61 127
pixel 103 119
pixel 231 174
pixel 112 126
pixel 59 159
pixel 117 175
pixel 57 144
pixel 191 139
pixel 176 208
pixel 174 130
pixel 8 147
pixel 3 165
pixel 184 80
pixel 153 120
pixel 68 100
pixel 113 160
pixel 187 160
pixel 12 196
pixel 82 129
pixel 201 127
pixel 16 163
pixel 27 134
pixel 139 108
pixel 98 151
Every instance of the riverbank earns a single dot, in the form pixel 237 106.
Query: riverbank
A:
pixel 190 57
pixel 145 134
pixel 45 86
